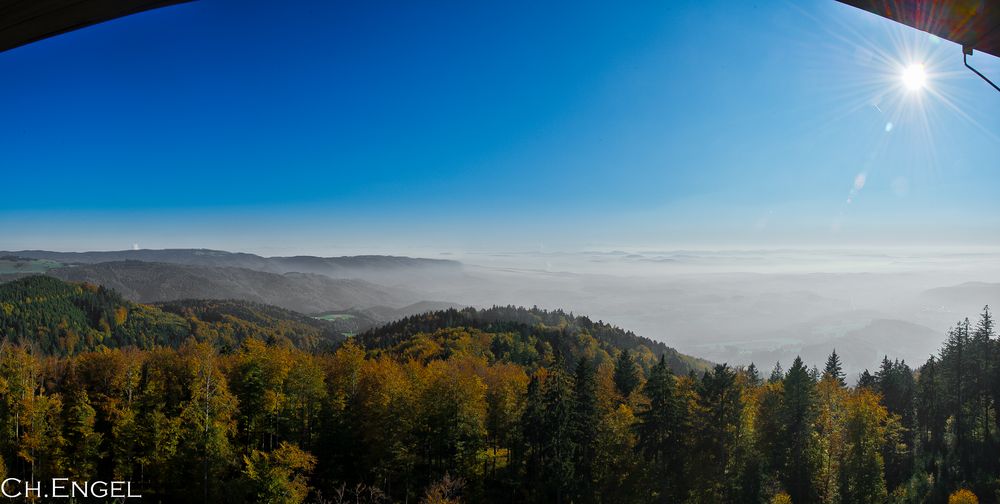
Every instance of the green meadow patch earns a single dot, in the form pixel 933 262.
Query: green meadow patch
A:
pixel 14 264
pixel 334 317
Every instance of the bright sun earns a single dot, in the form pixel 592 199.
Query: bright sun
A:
pixel 914 77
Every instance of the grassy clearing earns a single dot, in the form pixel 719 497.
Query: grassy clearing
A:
pixel 333 317
pixel 10 265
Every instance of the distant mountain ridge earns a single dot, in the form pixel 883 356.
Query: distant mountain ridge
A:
pixel 151 282
pixel 335 267
pixel 963 298
pixel 860 337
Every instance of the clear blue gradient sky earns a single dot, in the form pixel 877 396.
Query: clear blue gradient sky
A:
pixel 401 127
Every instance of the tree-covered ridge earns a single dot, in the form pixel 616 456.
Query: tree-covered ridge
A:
pixel 64 318
pixel 525 336
pixel 501 405
pixel 229 322
pixel 272 423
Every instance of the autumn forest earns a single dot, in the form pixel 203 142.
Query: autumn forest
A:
pixel 213 401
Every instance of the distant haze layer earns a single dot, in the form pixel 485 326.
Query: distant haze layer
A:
pixel 736 306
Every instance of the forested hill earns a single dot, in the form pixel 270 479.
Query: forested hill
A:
pixel 522 336
pixel 472 406
pixel 336 267
pixel 150 282
pixel 229 322
pixel 64 318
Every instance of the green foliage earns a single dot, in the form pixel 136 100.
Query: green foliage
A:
pixel 558 444
pixel 227 323
pixel 661 433
pixel 585 425
pixel 14 265
pixel 717 416
pixel 83 443
pixel 627 378
pixel 526 336
pixel 280 476
pixel 862 477
pixel 63 318
pixel 834 369
pixel 247 405
pixel 797 414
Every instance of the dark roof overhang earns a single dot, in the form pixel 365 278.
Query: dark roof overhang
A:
pixel 974 24
pixel 26 21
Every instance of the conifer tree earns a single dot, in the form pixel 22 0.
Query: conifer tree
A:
pixel 982 363
pixel 896 384
pixel 798 413
pixel 661 432
pixel 626 374
pixel 932 414
pixel 777 374
pixel 717 418
pixel 550 444
pixel 753 375
pixel 585 428
pixel 770 429
pixel 955 361
pixel 867 380
pixel 533 437
pixel 834 369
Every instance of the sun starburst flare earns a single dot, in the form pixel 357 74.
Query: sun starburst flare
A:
pixel 914 77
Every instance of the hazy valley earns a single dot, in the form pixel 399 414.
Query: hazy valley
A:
pixel 737 307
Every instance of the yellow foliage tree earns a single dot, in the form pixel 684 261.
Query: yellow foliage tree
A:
pixel 781 498
pixel 281 476
pixel 963 496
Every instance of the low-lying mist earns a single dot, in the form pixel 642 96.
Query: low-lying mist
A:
pixel 735 306
pixel 743 306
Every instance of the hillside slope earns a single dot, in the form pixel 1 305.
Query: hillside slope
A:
pixel 968 297
pixel 334 267
pixel 148 282
pixel 521 335
pixel 64 318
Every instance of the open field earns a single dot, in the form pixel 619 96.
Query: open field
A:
pixel 333 317
pixel 15 265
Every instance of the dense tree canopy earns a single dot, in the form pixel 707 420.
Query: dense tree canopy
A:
pixel 466 406
pixel 63 318
pixel 526 336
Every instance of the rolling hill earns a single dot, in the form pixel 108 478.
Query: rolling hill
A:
pixel 521 335
pixel 64 318
pixel 861 337
pixel 965 298
pixel 361 266
pixel 147 282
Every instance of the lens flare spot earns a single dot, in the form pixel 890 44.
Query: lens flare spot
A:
pixel 888 126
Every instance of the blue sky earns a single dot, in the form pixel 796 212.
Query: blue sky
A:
pixel 394 127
